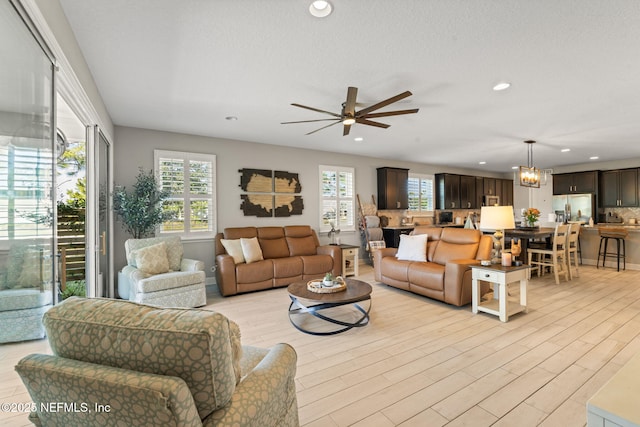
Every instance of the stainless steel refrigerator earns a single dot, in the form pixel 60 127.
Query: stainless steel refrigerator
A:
pixel 575 207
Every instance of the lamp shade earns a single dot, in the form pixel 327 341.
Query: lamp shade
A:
pixel 496 218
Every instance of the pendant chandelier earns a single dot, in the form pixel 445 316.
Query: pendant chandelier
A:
pixel 529 175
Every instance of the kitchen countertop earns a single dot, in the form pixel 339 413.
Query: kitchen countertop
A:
pixel 628 227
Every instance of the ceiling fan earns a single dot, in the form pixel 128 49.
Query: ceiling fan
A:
pixel 349 116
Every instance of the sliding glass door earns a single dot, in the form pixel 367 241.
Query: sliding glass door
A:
pixel 27 176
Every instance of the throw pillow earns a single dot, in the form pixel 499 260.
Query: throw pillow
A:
pixel 233 248
pixel 251 249
pixel 412 248
pixel 153 259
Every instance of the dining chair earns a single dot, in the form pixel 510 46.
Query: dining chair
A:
pixel 555 258
pixel 572 249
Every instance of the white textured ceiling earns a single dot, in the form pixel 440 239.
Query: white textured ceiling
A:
pixel 184 66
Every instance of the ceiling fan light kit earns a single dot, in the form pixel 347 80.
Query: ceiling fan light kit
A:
pixel 529 175
pixel 349 116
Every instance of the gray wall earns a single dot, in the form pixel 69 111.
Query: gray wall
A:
pixel 134 148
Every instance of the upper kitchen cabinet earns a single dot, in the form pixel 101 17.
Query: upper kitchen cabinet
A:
pixel 392 188
pixel 448 191
pixel 468 192
pixel 577 182
pixel 506 198
pixel 489 186
pixel 619 188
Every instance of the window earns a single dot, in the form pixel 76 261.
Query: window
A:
pixel 337 203
pixel 420 189
pixel 190 178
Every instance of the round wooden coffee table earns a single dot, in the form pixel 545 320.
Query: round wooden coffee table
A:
pixel 338 308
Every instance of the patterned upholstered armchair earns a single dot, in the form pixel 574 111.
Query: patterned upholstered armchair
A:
pixel 157 274
pixel 118 363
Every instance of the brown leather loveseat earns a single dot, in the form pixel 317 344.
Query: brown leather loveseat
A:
pixel 446 274
pixel 290 253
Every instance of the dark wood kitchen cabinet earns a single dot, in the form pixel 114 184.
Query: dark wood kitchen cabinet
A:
pixel 619 188
pixel 392 188
pixel 447 191
pixel 576 182
pixel 506 198
pixel 489 186
pixel 468 192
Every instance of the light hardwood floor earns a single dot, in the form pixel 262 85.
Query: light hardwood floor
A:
pixel 424 363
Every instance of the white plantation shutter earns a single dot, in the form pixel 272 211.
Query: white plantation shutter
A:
pixel 26 208
pixel 337 195
pixel 420 190
pixel 190 178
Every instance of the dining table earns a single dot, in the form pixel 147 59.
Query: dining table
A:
pixel 527 235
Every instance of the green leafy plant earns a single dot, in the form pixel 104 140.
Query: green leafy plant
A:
pixel 140 210
pixel 74 288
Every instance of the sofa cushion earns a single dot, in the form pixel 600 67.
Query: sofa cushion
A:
pixel 395 269
pixel 255 272
pixel 427 275
pixel 152 259
pixel 287 267
pixel 251 250
pixel 273 242
pixel 191 344
pixel 233 248
pixel 412 248
pixel 457 243
pixel 175 251
pixel 170 280
pixel 301 240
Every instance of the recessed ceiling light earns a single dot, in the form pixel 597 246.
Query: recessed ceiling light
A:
pixel 564 150
pixel 502 86
pixel 231 118
pixel 594 158
pixel 515 167
pixel 482 163
pixel 358 139
pixel 320 8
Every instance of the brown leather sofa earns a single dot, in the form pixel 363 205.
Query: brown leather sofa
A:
pixel 291 253
pixel 446 275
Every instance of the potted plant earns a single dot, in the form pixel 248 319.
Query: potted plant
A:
pixel 140 210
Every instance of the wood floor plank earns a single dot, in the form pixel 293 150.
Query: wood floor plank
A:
pixel 421 362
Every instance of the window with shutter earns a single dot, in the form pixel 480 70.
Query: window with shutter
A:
pixel 420 189
pixel 190 178
pixel 26 208
pixel 337 189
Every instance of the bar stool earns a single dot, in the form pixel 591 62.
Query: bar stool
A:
pixel 619 235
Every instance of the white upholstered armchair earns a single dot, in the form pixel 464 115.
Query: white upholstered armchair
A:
pixel 157 274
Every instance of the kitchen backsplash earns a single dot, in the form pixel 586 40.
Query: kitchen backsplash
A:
pixel 625 213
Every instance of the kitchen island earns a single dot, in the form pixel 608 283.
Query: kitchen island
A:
pixel 590 242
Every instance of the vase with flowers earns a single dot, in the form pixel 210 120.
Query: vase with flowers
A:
pixel 532 215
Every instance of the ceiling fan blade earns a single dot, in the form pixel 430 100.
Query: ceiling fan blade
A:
pixel 324 127
pixel 383 103
pixel 346 130
pixel 390 113
pixel 316 109
pixel 364 121
pixel 306 121
pixel 350 104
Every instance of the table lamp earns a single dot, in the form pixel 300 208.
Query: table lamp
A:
pixel 498 219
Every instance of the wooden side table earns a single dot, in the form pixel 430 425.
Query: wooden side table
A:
pixel 500 277
pixel 350 260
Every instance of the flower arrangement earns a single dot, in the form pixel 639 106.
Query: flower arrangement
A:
pixel 532 215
